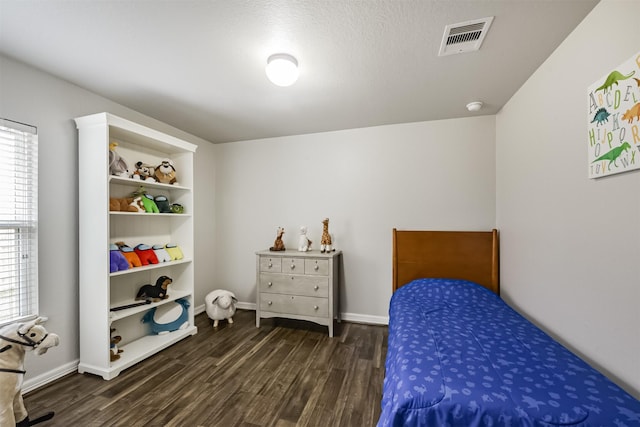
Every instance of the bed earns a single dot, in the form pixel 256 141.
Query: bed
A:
pixel 459 356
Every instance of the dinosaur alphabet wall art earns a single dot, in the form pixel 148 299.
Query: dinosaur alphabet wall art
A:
pixel 614 121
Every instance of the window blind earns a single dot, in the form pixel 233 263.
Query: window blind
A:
pixel 18 222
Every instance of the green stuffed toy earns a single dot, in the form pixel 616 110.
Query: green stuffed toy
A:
pixel 149 205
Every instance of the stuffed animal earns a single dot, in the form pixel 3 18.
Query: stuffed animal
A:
pixel 144 172
pixel 149 205
pixel 114 351
pixel 165 172
pixel 129 254
pixel 168 317
pixel 220 305
pixel 136 205
pixel 146 254
pixel 125 204
pixel 304 244
pixel 174 251
pixel 325 240
pixel 155 292
pixel 177 208
pixel 15 341
pixel 117 165
pixel 161 253
pixel 163 204
pixel 278 245
pixel 117 261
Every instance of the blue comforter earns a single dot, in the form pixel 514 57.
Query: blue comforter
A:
pixel 459 356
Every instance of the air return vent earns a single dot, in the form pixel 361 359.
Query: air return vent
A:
pixel 464 37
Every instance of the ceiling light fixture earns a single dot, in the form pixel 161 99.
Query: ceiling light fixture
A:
pixel 282 69
pixel 474 106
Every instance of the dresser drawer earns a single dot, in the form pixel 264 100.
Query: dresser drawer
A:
pixel 294 304
pixel 293 265
pixel 294 284
pixel 318 267
pixel 270 264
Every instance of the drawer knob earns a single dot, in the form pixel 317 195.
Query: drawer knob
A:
pixel 270 265
pixel 315 307
pixel 315 288
pixel 270 302
pixel 316 267
pixel 293 266
pixel 270 284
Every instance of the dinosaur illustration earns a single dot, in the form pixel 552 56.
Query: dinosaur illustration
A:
pixel 602 115
pixel 613 154
pixel 631 113
pixel 614 78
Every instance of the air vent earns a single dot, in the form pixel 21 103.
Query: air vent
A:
pixel 464 37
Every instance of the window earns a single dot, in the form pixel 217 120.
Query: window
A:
pixel 18 221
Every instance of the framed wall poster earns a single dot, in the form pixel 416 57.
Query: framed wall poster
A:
pixel 614 121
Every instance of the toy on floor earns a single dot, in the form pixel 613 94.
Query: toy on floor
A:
pixel 325 240
pixel 304 244
pixel 155 292
pixel 114 351
pixel 168 317
pixel 15 341
pixel 278 245
pixel 220 305
pixel 165 172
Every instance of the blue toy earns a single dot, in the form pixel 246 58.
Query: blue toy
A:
pixel 117 261
pixel 168 317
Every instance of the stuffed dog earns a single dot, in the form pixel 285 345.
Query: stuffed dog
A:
pixel 15 341
pixel 155 292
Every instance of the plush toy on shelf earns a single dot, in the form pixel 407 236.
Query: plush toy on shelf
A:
pixel 144 172
pixel 169 317
pixel 174 251
pixel 15 341
pixel 278 245
pixel 125 204
pixel 117 261
pixel 146 254
pixel 161 253
pixel 163 204
pixel 155 292
pixel 117 165
pixel 149 204
pixel 304 244
pixel 220 305
pixel 165 172
pixel 114 351
pixel 129 254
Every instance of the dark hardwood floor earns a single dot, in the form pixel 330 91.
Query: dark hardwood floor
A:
pixel 285 373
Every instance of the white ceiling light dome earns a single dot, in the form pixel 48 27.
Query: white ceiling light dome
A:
pixel 282 69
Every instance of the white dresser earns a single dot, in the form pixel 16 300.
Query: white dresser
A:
pixel 298 285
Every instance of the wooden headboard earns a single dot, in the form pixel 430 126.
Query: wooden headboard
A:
pixel 469 255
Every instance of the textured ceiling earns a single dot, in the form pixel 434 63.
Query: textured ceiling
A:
pixel 199 65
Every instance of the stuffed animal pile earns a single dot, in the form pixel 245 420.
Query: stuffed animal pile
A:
pixel 124 257
pixel 164 173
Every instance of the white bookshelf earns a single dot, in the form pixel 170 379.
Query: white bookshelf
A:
pixel 100 290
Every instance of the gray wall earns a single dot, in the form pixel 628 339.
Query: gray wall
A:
pixel 570 245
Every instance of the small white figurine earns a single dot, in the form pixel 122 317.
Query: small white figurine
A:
pixel 304 244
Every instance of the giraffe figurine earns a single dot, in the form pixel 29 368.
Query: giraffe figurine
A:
pixel 278 245
pixel 325 240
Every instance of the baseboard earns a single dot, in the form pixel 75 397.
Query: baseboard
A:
pixel 347 317
pixel 47 377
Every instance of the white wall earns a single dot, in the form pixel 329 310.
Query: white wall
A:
pixel 428 175
pixel 30 96
pixel 570 246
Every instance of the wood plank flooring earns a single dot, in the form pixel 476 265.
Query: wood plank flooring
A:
pixel 283 374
